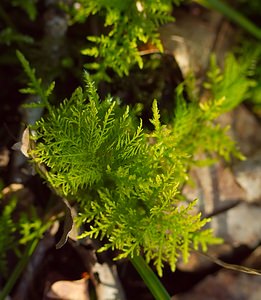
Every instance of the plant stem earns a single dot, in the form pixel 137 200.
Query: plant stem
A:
pixel 233 15
pixel 150 279
pixel 18 269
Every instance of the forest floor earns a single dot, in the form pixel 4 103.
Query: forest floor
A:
pixel 230 194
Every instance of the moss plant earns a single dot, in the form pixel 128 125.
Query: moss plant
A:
pixel 127 181
pixel 127 25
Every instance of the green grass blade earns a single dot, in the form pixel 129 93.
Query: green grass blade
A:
pixel 150 279
pixel 18 269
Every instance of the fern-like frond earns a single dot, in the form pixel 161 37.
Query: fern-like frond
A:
pixel 35 86
pixel 130 24
pixel 128 183
pixel 232 84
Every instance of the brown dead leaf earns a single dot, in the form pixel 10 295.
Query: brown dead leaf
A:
pixel 69 290
pixel 68 223
pixel 24 144
pixel 4 157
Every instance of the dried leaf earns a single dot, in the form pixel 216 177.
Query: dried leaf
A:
pixel 68 223
pixel 69 290
pixel 24 145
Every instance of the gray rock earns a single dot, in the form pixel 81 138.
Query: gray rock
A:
pixel 244 128
pixel 215 188
pixel 248 175
pixel 226 285
pixel 239 225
